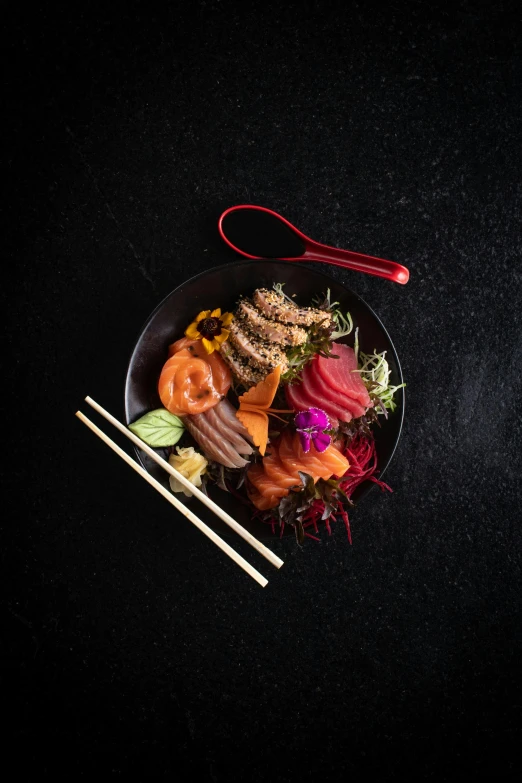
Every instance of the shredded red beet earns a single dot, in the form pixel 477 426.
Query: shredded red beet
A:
pixel 362 456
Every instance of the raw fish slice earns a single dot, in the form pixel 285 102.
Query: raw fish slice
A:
pixel 264 485
pixel 222 429
pixel 311 458
pixel 262 502
pixel 180 344
pixel 222 446
pixel 227 414
pixel 275 470
pixel 330 461
pixel 292 464
pixel 338 373
pixel 300 399
pixel 221 376
pixel 208 446
pixel 335 461
pixel 319 389
pixel 186 385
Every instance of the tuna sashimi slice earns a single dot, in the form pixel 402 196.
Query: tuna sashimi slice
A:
pixel 299 399
pixel 338 373
pixel 319 389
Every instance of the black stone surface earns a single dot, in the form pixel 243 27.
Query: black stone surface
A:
pixel 131 646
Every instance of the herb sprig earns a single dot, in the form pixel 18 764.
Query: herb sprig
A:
pixel 375 373
pixel 320 335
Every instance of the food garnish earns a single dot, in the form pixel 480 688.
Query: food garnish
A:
pixel 254 407
pixel 190 464
pixel 311 426
pixel 375 373
pixel 210 326
pixel 158 428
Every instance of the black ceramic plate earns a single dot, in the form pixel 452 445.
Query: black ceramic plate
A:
pixel 221 287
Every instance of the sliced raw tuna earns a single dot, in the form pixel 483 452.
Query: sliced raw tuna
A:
pixel 318 389
pixel 338 373
pixel 299 399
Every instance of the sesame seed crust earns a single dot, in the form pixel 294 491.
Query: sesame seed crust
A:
pixel 277 307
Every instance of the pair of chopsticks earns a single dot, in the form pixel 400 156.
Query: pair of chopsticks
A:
pixel 173 500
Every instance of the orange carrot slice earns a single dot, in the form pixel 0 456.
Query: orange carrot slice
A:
pixel 254 407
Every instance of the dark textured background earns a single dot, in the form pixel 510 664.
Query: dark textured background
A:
pixel 131 644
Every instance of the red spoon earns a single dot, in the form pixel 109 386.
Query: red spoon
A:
pixel 257 232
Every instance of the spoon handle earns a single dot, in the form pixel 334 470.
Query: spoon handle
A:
pixel 357 261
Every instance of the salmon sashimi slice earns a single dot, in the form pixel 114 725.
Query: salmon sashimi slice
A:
pixel 311 460
pixel 267 488
pixel 275 470
pixel 264 485
pixel 262 502
pixel 341 373
pixel 293 464
pixel 326 463
pixel 279 472
pixel 221 376
pixel 334 461
pixel 186 385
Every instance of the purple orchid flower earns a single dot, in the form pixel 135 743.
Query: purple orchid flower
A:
pixel 310 425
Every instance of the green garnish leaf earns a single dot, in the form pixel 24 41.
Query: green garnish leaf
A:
pixel 158 428
pixel 375 373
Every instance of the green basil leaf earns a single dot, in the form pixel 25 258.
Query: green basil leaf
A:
pixel 158 428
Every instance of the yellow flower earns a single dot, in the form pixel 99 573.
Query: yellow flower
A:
pixel 210 328
pixel 190 464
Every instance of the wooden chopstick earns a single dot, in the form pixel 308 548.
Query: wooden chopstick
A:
pixel 230 521
pixel 260 579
